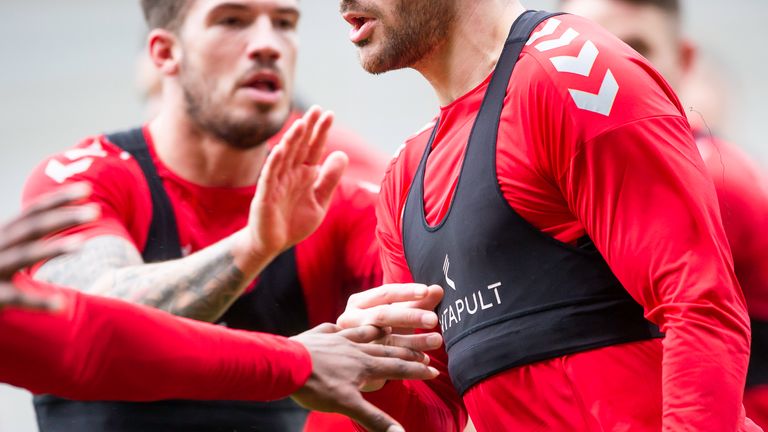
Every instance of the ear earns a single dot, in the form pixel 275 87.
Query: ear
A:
pixel 164 50
pixel 688 56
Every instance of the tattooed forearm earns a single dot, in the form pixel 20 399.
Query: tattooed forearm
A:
pixel 201 286
pixel 82 269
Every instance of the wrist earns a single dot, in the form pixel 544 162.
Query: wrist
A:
pixel 251 256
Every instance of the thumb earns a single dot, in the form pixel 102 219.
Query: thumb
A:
pixel 330 175
pixel 371 417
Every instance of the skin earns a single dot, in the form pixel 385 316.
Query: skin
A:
pixel 454 63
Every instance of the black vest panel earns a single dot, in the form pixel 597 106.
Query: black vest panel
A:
pixel 757 373
pixel 513 295
pixel 275 305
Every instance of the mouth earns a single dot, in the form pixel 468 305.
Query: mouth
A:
pixel 263 81
pixel 264 87
pixel 362 26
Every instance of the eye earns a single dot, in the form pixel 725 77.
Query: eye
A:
pixel 231 21
pixel 285 23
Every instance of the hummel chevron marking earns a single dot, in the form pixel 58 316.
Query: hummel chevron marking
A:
pixel 95 149
pixel 560 42
pixel 549 28
pixel 581 64
pixel 602 102
pixel 60 172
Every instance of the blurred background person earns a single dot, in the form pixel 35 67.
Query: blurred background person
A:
pixel 654 29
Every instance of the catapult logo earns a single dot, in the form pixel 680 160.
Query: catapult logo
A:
pixel 457 307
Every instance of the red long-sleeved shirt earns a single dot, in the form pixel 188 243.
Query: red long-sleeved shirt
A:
pixel 103 349
pixel 592 141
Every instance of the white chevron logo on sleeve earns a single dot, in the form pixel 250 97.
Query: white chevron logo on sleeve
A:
pixel 581 64
pixel 549 28
pixel 60 172
pixel 560 42
pixel 602 102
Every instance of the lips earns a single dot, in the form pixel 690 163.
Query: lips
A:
pixel 362 26
pixel 263 87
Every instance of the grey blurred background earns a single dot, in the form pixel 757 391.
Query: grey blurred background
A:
pixel 68 71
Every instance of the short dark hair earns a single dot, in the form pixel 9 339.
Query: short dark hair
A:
pixel 165 14
pixel 669 6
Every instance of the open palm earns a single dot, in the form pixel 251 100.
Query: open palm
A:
pixel 296 184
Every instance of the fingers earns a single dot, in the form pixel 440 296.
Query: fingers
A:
pixel 10 296
pixel 430 301
pixel 406 306
pixel 319 137
pixel 420 342
pixel 369 416
pixel 304 142
pixel 18 258
pixel 278 160
pixel 312 118
pixel 65 195
pixel 388 294
pixel 389 316
pixel 397 369
pixel 323 328
pixel 298 146
pixel 363 334
pixel 329 178
pixel 35 225
pixel 394 352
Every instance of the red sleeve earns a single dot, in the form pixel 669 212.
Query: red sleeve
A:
pixel 631 175
pixel 418 405
pixel 104 349
pixel 125 211
pixel 653 215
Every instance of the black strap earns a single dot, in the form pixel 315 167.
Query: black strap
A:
pixel 163 238
pixel 493 102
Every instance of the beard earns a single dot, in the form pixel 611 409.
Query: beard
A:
pixel 212 117
pixel 417 28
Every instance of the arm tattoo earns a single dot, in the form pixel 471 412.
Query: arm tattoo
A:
pixel 201 286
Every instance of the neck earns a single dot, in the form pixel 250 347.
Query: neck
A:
pixel 471 49
pixel 200 158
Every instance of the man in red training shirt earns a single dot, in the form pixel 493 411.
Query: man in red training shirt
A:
pixel 184 227
pixel 654 29
pixel 560 201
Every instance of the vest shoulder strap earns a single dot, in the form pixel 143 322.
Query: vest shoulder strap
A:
pixel 163 238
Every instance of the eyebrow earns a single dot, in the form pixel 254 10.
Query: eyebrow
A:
pixel 283 10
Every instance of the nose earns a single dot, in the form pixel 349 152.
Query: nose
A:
pixel 264 42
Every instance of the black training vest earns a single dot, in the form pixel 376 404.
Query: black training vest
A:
pixel 276 305
pixel 513 295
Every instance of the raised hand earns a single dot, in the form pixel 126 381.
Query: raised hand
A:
pixel 343 360
pixel 296 185
pixel 22 244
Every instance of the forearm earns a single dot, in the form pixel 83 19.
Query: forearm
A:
pixel 143 354
pixel 703 373
pixel 200 286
